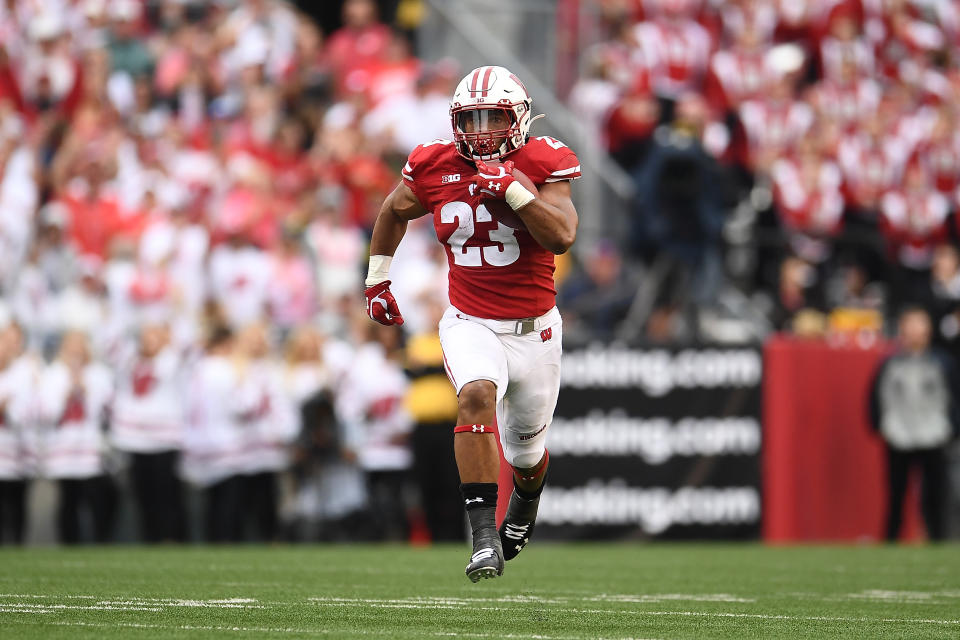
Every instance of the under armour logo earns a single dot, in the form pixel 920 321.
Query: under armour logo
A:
pixel 493 185
pixel 472 500
pixel 478 428
pixel 546 334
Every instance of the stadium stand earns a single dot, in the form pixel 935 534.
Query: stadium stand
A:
pixel 194 171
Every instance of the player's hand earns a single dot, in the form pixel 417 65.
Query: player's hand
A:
pixel 503 182
pixel 494 179
pixel 381 305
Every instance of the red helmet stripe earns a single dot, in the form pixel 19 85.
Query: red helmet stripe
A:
pixel 486 82
pixel 517 80
pixel 473 83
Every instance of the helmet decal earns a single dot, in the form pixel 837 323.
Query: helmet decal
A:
pixel 482 89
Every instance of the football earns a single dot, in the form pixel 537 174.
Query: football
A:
pixel 500 210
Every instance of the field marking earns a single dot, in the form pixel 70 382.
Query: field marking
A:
pixel 443 603
pixel 904 597
pixel 120 604
pixel 667 597
pixel 525 599
pixel 27 607
pixel 291 630
pixel 503 603
pixel 37 595
pixel 772 616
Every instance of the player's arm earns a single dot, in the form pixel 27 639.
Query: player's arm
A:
pixel 399 208
pixel 551 218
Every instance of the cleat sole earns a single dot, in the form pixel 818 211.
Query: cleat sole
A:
pixel 484 572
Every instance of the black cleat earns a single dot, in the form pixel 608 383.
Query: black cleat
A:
pixel 487 558
pixel 517 525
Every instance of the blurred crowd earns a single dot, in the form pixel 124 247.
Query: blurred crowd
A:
pixel 186 192
pixel 805 152
pixel 187 188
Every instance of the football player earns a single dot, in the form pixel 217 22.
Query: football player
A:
pixel 501 206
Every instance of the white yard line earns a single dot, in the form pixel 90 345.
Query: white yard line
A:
pixel 291 630
pixel 424 604
pixel 50 608
pixel 18 603
pixel 125 604
pixel 36 595
pixel 768 616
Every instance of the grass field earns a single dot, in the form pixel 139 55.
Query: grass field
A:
pixel 550 592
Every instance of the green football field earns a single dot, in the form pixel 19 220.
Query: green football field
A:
pixel 550 592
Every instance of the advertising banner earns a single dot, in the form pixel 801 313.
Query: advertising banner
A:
pixel 655 443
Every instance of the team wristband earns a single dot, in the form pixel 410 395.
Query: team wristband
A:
pixel 378 270
pixel 518 196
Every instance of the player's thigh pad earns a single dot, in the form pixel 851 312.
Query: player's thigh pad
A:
pixel 472 352
pixel 526 411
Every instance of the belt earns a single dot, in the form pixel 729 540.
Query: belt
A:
pixel 520 327
pixel 524 326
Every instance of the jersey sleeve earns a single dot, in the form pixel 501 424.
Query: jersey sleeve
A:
pixel 420 164
pixel 554 161
pixel 412 168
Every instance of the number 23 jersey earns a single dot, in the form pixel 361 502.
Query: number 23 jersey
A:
pixel 497 269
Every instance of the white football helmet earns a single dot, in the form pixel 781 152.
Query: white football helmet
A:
pixel 481 92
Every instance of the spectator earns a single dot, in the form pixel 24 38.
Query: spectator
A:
pixel 213 440
pixel 872 163
pixel 680 213
pixel 77 391
pixel 677 49
pixel 403 118
pixel 128 54
pixel 843 43
pixel 943 298
pixel 370 403
pixel 239 272
pixel 21 379
pixel 19 195
pixel 432 405
pixel 292 294
pixel 594 95
pixel 774 121
pixel 798 293
pixel 305 381
pixel 913 408
pixel 360 41
pixel 268 426
pixel 739 73
pixel 808 200
pixel 13 484
pixel 914 222
pixel 598 297
pixel 336 248
pixel 147 424
pixel 48 76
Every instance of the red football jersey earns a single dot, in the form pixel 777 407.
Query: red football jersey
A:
pixel 496 270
